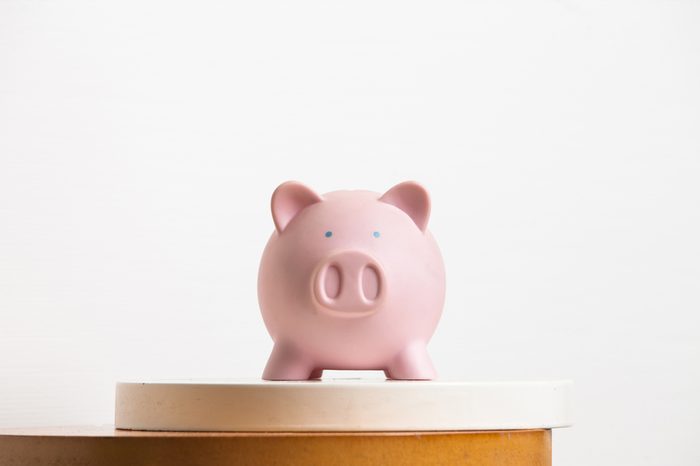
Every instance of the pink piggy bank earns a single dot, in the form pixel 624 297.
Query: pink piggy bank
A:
pixel 351 280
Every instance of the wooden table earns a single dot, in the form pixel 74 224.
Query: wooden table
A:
pixel 106 446
pixel 329 422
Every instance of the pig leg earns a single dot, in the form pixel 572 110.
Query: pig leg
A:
pixel 412 363
pixel 287 363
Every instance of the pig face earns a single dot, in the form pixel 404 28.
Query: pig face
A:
pixel 350 279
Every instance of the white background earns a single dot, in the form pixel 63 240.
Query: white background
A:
pixel 140 142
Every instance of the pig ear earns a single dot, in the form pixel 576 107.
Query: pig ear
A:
pixel 288 200
pixel 413 199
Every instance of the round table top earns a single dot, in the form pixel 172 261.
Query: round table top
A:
pixel 341 405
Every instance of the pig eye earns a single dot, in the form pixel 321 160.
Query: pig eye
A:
pixel 328 234
pixel 376 234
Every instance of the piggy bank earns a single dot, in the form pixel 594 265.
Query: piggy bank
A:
pixel 351 280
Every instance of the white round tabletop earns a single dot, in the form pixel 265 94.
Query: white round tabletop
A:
pixel 341 405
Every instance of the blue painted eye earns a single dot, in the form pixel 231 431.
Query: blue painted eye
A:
pixel 375 234
pixel 328 234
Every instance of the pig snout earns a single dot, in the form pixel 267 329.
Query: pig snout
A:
pixel 349 283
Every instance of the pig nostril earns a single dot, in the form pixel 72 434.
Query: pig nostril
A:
pixel 331 282
pixel 370 282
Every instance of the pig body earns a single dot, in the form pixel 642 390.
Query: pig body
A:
pixel 350 280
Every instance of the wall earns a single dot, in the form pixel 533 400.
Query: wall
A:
pixel 140 142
